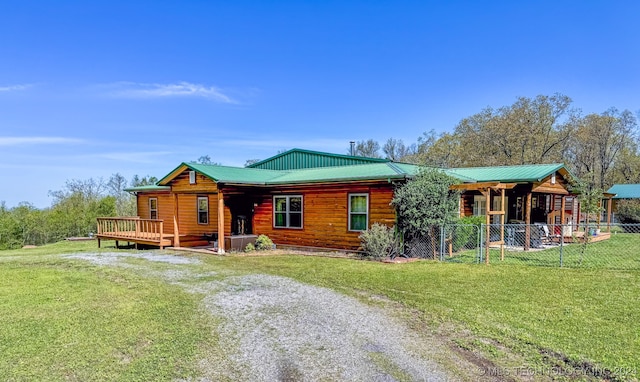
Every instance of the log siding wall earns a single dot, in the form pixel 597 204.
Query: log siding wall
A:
pixel 325 215
pixel 165 208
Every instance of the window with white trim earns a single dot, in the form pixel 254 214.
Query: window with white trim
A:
pixel 479 205
pixel 287 211
pixel 358 212
pixel 153 208
pixel 203 210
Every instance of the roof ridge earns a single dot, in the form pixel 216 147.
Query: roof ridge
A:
pixel 233 167
pixel 395 168
pixel 508 166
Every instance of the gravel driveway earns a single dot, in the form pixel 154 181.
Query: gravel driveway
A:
pixel 277 329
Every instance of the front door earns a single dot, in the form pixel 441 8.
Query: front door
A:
pixel 241 208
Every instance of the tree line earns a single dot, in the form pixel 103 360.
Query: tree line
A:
pixel 73 211
pixel 600 149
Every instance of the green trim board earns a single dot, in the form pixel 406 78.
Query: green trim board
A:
pixel 149 187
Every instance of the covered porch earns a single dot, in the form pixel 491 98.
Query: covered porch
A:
pixel 520 214
pixel 187 219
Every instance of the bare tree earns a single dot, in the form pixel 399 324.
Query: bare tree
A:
pixel 206 159
pixel 125 202
pixel 397 151
pixel 90 189
pixel 368 148
pixel 249 162
pixel 146 180
pixel 116 184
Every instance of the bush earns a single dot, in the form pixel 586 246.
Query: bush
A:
pixel 379 241
pixel 263 243
pixel 628 211
pixel 250 247
pixel 425 201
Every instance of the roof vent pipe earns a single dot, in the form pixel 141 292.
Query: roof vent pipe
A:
pixel 353 148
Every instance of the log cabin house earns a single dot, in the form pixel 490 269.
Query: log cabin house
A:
pixel 304 198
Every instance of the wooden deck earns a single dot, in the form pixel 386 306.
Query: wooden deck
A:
pixel 134 230
pixel 578 237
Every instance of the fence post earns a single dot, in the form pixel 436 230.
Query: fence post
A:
pixel 561 245
pixel 442 241
pixel 481 246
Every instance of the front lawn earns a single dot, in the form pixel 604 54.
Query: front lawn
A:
pixel 63 319
pixel 580 319
pixel 66 319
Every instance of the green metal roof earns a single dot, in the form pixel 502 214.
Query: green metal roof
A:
pixel 373 171
pixel 256 176
pixel 521 173
pixel 362 169
pixel 625 191
pixel 148 187
pixel 296 159
pixel 224 174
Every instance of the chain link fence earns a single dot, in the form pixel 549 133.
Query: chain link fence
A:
pixel 594 246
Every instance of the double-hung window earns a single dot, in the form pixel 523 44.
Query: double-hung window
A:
pixel 287 211
pixel 358 212
pixel 479 205
pixel 203 210
pixel 153 208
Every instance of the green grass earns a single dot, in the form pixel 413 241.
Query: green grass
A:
pixel 62 319
pixel 621 251
pixel 60 247
pixel 584 315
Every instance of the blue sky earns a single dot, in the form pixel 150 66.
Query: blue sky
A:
pixel 88 89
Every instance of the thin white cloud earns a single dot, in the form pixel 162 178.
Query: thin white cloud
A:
pixel 11 88
pixel 278 144
pixel 22 141
pixel 135 157
pixel 180 89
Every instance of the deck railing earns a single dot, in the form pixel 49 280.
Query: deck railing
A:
pixel 131 228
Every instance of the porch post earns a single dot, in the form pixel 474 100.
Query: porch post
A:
pixel 487 194
pixel 176 231
pixel 551 216
pixel 527 222
pixel 220 221
pixel 563 205
pixel 609 202
pixel 502 222
pixel 576 217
